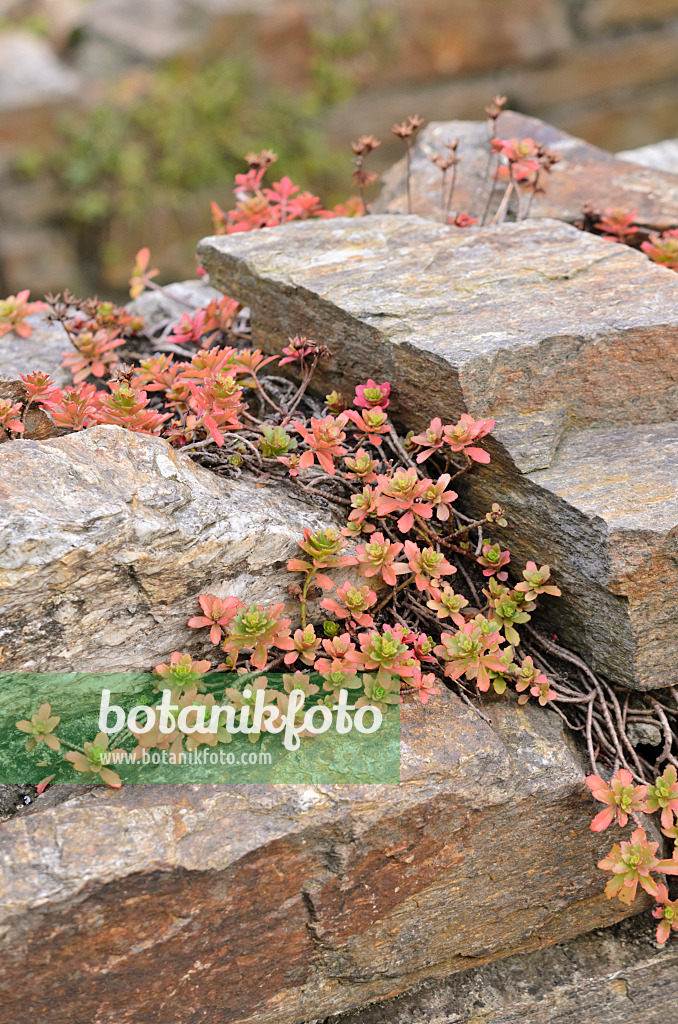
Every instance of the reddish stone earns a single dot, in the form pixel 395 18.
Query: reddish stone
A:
pixel 279 904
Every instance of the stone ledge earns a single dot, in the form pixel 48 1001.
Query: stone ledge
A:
pixel 109 536
pixel 617 975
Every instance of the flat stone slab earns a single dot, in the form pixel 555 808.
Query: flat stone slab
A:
pixel 545 328
pixel 585 174
pixel 107 537
pixel 280 904
pixel 617 975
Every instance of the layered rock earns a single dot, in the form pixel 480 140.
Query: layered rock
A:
pixel 616 974
pixel 272 904
pixel 568 340
pixel 107 537
pixel 585 174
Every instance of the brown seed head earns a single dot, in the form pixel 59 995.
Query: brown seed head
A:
pixel 407 129
pixel 495 107
pixel 365 145
pixel 264 159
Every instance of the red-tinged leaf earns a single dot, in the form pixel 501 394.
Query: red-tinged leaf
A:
pixel 603 820
pixel 323 581
pixel 298 565
pixel 216 434
pixel 44 783
pixel 478 455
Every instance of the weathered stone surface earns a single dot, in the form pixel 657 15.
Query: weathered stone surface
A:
pixel 585 174
pixel 561 337
pixel 617 975
pixel 278 904
pixel 43 350
pixel 662 156
pixel 106 539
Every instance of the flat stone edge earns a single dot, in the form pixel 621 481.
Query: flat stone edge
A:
pixel 618 971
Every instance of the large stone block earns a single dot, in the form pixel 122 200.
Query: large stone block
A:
pixel 107 538
pixel 585 174
pixel 279 904
pixel 568 340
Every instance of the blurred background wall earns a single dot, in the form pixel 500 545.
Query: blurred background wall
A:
pixel 121 119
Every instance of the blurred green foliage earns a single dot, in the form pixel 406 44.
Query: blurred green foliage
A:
pixel 172 137
pixel 177 130
pixel 186 127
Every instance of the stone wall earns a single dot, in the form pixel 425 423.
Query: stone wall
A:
pixel 601 69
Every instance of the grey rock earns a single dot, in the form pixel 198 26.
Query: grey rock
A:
pixel 604 514
pixel 43 350
pixel 617 975
pixel 160 307
pixel 644 733
pixel 566 339
pixel 661 156
pixel 330 896
pixel 107 537
pixel 30 73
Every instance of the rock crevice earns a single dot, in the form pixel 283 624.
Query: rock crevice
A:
pixel 576 360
